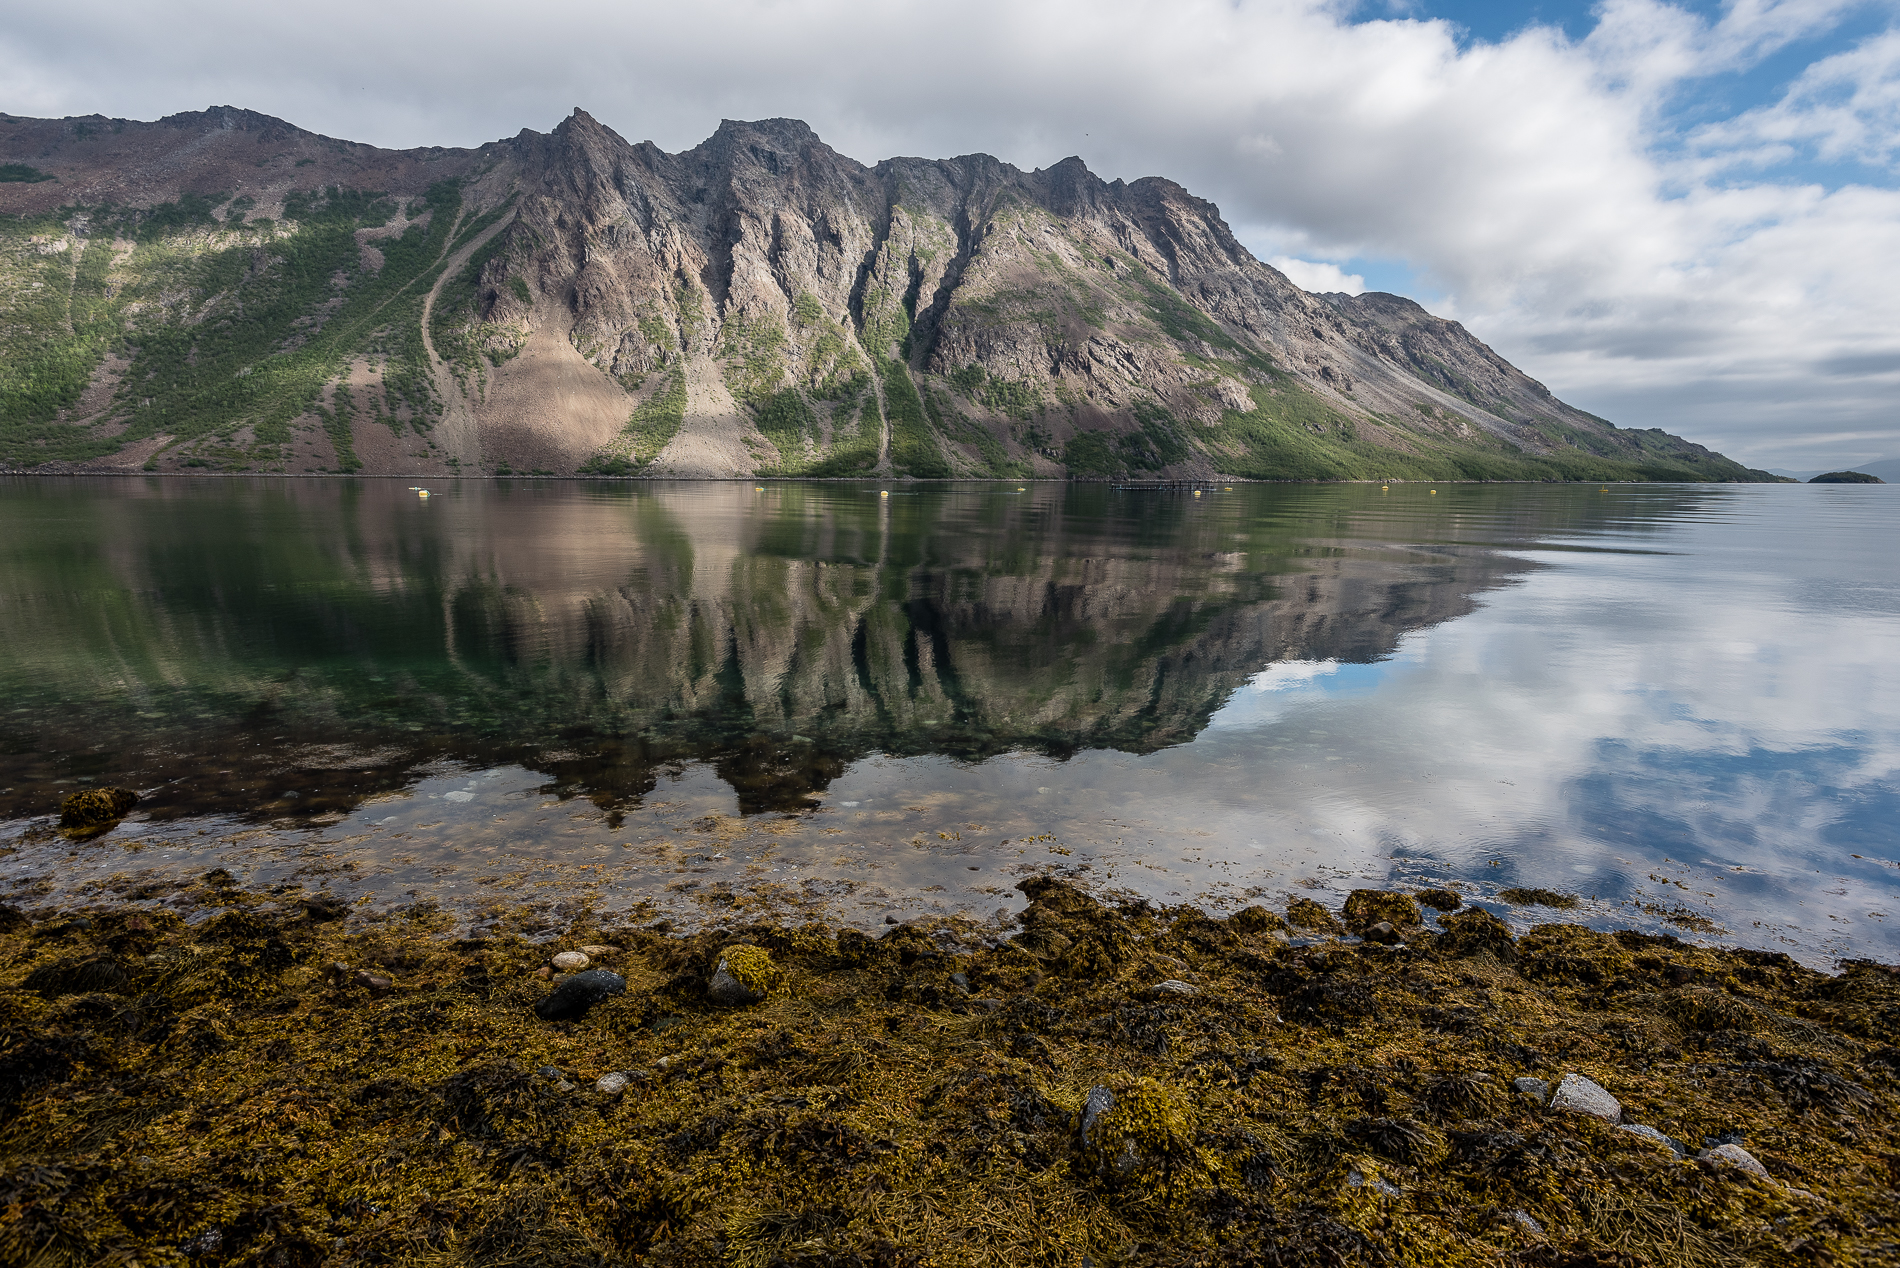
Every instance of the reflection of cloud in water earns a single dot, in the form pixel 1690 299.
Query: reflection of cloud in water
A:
pixel 1645 699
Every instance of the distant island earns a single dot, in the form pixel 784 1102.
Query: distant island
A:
pixel 1846 477
pixel 221 291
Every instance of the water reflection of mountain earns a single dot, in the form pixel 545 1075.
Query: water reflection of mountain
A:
pixel 248 640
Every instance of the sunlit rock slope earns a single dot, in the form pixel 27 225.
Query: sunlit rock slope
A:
pixel 223 291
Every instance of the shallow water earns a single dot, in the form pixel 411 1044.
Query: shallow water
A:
pixel 1677 703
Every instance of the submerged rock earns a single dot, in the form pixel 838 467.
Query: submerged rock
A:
pixel 576 995
pixel 1579 1095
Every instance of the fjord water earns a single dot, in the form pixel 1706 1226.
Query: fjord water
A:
pixel 1680 704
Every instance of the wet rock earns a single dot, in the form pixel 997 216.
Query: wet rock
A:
pixel 1367 907
pixel 96 808
pixel 1524 1220
pixel 569 961
pixel 598 951
pixel 1256 920
pixel 374 983
pixel 743 976
pixel 1652 1135
pixel 961 981
pixel 1579 1095
pixel 612 1084
pixel 890 920
pixel 1307 914
pixel 1174 986
pixel 1475 931
pixel 1384 934
pixel 1735 1156
pixel 325 907
pixel 1100 1101
pixel 575 995
pixel 1439 899
pixel 12 918
pixel 1532 1087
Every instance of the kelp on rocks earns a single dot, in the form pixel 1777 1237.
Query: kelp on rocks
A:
pixel 275 1087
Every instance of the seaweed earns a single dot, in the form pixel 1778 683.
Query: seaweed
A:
pixel 286 1084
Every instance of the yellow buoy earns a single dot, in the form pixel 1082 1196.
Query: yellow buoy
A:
pixel 1385 488
pixel 1197 493
pixel 758 488
pixel 1434 492
pixel 1228 489
pixel 422 493
pixel 883 493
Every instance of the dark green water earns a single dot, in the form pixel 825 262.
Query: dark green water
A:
pixel 1668 700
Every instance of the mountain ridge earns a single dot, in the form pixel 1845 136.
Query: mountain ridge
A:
pixel 240 294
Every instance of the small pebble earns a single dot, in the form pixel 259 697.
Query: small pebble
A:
pixel 1735 1156
pixel 890 920
pixel 569 961
pixel 544 972
pixel 598 951
pixel 1383 933
pixel 1174 986
pixel 1357 1179
pixel 376 985
pixel 1532 1087
pixel 1525 1222
pixel 613 1084
pixel 1581 1096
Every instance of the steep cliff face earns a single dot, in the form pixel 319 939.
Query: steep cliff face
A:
pixel 224 291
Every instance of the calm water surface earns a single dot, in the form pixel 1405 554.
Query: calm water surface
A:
pixel 1680 704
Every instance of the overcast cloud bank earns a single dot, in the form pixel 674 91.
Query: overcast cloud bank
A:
pixel 1735 281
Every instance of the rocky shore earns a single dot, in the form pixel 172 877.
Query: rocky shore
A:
pixel 281 1084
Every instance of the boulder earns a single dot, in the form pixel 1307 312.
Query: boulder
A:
pixel 1735 1156
pixel 744 976
pixel 96 807
pixel 1368 907
pixel 1579 1095
pixel 576 995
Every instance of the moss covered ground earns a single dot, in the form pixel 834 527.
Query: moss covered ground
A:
pixel 276 1083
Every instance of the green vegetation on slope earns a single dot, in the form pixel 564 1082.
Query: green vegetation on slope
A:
pixel 232 333
pixel 653 425
pixel 914 447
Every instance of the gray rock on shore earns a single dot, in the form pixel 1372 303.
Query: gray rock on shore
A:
pixel 1579 1095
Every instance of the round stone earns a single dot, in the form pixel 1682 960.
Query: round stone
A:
pixel 612 1083
pixel 570 961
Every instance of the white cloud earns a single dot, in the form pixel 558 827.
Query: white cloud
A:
pixel 1318 276
pixel 1534 182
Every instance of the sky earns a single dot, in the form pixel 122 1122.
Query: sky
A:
pixel 1678 215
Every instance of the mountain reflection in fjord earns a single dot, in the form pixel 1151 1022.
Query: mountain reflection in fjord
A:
pixel 1671 701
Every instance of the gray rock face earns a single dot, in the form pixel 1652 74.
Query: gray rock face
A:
pixel 1651 1134
pixel 572 999
pixel 1735 1156
pixel 1532 1087
pixel 1100 1101
pixel 1579 1095
pixel 726 990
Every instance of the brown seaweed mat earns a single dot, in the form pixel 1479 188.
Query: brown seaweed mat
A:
pixel 285 1088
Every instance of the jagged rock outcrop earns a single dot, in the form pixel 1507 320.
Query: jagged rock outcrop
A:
pixel 244 295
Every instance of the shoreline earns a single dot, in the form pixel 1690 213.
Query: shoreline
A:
pixel 1137 1085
